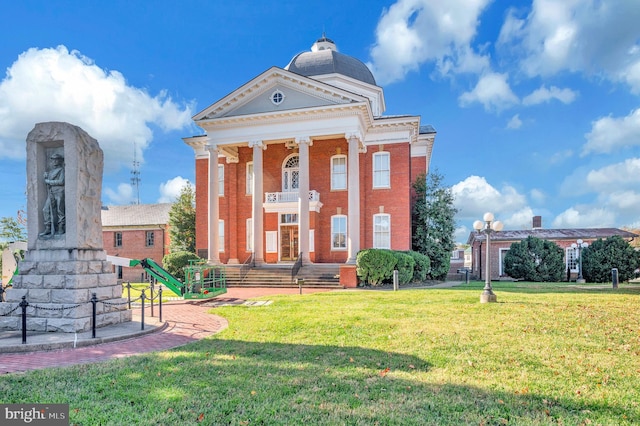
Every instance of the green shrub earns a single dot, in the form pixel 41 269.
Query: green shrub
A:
pixel 174 263
pixel 373 266
pixel 405 266
pixel 421 267
pixel 603 255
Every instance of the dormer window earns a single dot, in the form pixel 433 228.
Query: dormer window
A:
pixel 277 97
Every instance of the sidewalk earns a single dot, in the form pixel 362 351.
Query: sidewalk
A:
pixel 183 322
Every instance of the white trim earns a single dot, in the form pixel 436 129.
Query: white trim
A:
pixel 249 176
pixel 249 235
pixel 345 233
pixel 312 241
pixel 380 172
pixel 332 172
pixel 503 252
pixel 388 232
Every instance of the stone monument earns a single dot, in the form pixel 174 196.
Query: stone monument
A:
pixel 65 262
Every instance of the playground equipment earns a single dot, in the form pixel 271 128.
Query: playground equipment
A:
pixel 202 281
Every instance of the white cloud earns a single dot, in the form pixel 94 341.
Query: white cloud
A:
pixel 561 156
pixel 595 37
pixel 170 190
pixel 492 91
pixel 585 217
pixel 608 134
pixel 515 122
pixel 615 176
pixel 412 32
pixel 542 95
pixel 474 196
pixel 123 195
pixel 538 195
pixel 57 85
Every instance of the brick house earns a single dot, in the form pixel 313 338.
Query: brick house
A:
pixel 316 128
pixel 136 231
pixel 501 242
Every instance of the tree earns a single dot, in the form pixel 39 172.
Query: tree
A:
pixel 433 223
pixel 534 259
pixel 10 230
pixel 182 221
pixel 603 255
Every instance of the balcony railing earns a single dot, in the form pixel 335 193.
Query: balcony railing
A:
pixel 288 197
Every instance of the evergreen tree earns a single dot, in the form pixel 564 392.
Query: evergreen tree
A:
pixel 534 259
pixel 433 222
pixel 603 255
pixel 182 221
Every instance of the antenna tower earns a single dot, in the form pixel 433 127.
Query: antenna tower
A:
pixel 135 175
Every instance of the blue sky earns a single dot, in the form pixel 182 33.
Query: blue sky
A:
pixel 536 103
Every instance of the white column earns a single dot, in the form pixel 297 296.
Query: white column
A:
pixel 258 194
pixel 214 205
pixel 303 198
pixel 353 202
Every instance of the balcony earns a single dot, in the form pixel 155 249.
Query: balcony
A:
pixel 287 202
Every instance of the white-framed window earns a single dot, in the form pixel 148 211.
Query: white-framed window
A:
pixel 339 232
pixel 117 239
pixel 312 240
pixel 503 253
pixel 249 234
pixel 150 238
pixel 291 174
pixel 271 238
pixel 249 189
pixel 339 172
pixel 382 231
pixel 220 180
pixel 381 170
pixel 571 256
pixel 220 235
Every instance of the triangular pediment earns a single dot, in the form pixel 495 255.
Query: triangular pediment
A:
pixel 278 90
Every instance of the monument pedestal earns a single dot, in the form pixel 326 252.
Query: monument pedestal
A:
pixel 59 286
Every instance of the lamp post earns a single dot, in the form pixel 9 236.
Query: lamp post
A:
pixel 579 245
pixel 487 226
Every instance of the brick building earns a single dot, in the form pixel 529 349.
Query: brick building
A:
pixel 305 164
pixel 136 231
pixel 501 242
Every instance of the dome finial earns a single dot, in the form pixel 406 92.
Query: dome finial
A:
pixel 323 43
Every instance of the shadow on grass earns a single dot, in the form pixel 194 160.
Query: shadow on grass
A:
pixel 218 381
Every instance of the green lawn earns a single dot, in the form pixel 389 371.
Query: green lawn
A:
pixel 545 354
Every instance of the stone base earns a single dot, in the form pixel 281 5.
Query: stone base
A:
pixel 348 276
pixel 59 286
pixel 580 281
pixel 487 297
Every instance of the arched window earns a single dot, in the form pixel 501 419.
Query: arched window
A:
pixel 291 174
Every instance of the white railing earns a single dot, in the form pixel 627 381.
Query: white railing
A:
pixel 288 197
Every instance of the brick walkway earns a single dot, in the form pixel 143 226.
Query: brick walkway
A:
pixel 186 322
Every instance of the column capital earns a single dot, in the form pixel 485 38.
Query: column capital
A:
pixel 211 147
pixel 304 140
pixel 353 135
pixel 257 143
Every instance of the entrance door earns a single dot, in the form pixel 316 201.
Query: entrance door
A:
pixel 289 242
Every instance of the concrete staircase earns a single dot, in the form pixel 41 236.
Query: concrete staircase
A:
pixel 316 275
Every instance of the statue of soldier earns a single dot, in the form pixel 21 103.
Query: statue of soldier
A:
pixel 54 211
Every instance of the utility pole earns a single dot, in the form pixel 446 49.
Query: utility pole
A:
pixel 135 175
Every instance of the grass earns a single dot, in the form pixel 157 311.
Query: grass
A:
pixel 545 354
pixel 136 292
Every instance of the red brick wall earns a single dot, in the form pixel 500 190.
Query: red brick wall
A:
pixel 236 205
pixel 134 246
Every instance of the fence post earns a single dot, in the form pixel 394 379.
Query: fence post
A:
pixel 160 302
pixel 24 305
pixel 142 297
pixel 151 298
pixel 129 293
pixel 395 280
pixel 94 302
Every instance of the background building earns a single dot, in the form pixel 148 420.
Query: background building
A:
pixel 136 231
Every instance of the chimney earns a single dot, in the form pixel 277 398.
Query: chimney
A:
pixel 537 222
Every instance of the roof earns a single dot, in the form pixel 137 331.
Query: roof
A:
pixel 324 58
pixel 136 215
pixel 553 234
